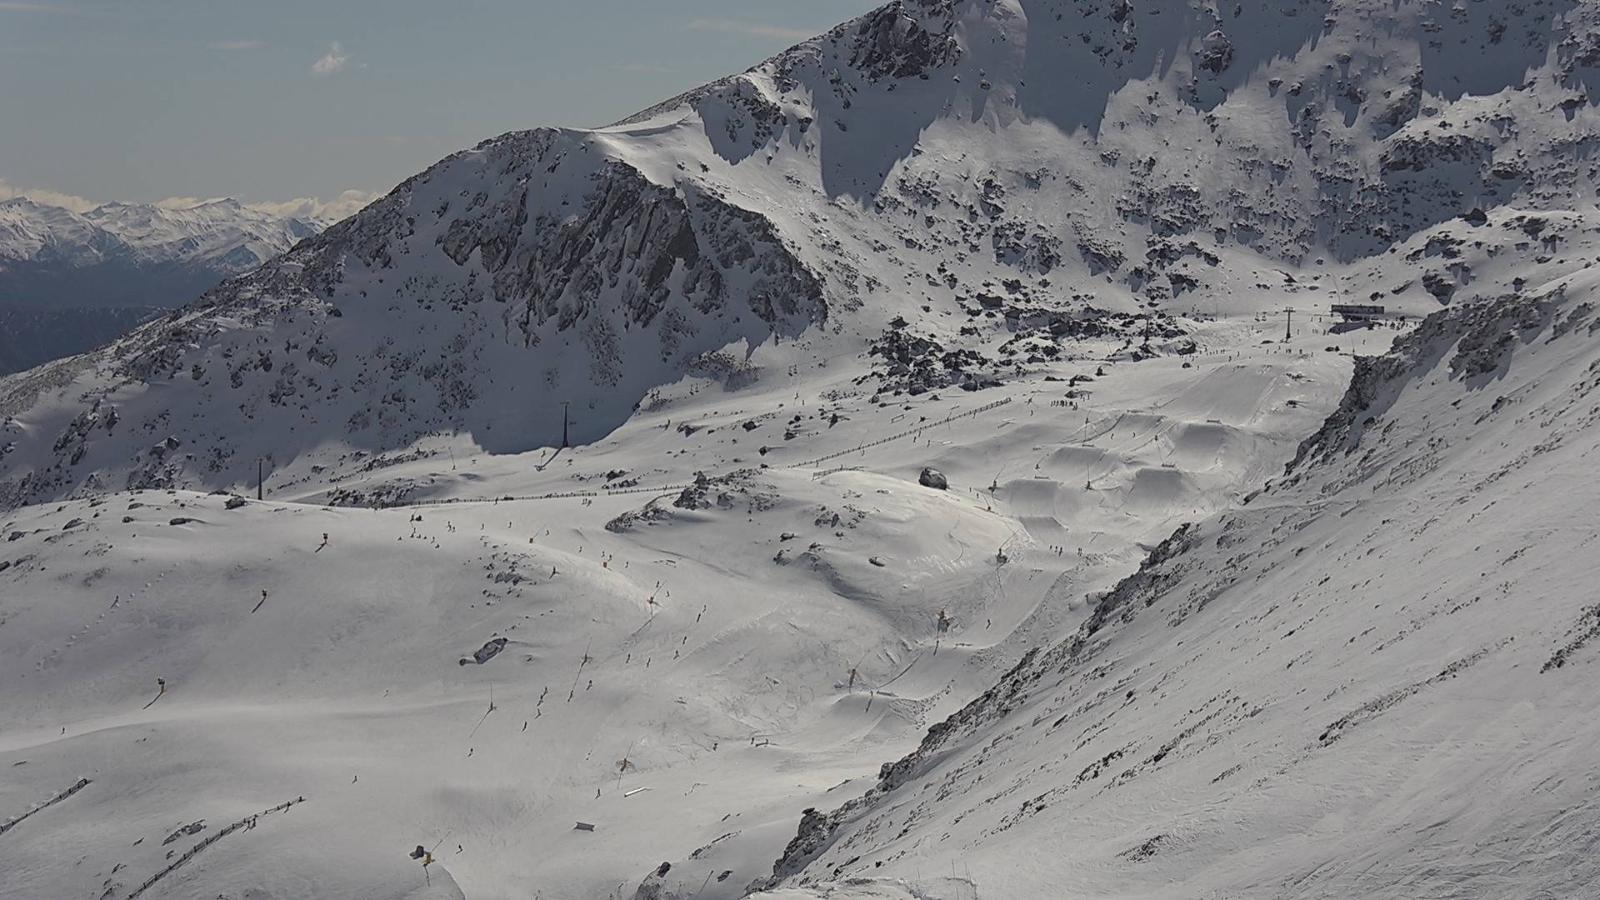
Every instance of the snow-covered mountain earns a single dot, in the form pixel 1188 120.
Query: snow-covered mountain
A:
pixel 929 154
pixel 223 235
pixel 39 233
pixel 1047 248
pixel 70 282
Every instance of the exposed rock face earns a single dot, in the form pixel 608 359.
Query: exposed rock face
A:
pixel 633 244
pixel 654 886
pixel 906 39
pixel 933 478
pixel 916 364
pixel 1482 335
pixel 488 651
pixel 815 830
pixel 729 491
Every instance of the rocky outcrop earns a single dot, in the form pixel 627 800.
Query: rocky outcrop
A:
pixel 906 39
pixel 1481 334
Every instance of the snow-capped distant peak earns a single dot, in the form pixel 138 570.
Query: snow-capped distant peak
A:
pixel 222 234
pixel 213 230
pixel 33 231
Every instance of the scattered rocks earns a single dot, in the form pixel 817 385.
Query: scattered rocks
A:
pixel 483 654
pixel 916 365
pixel 192 828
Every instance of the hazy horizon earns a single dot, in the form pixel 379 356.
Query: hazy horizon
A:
pixel 179 98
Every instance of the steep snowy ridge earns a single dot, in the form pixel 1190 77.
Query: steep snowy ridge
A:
pixel 1370 681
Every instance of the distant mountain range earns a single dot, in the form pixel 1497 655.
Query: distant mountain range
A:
pixel 71 281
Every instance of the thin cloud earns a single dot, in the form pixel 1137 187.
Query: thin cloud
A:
pixel 46 197
pixel 331 62
pixel 182 202
pixel 346 204
pixel 236 45
pixel 750 29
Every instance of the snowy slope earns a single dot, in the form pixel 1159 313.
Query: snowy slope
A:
pixel 1374 680
pixel 1043 246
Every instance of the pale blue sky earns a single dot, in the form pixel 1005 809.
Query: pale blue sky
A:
pixel 139 100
